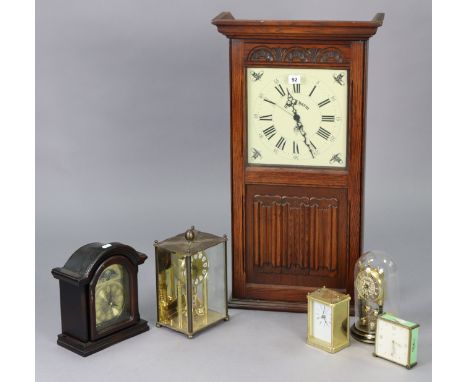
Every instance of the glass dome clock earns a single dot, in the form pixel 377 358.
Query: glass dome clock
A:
pixel 375 292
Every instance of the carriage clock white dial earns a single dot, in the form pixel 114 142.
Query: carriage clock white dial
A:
pixel 297 116
pixel 322 326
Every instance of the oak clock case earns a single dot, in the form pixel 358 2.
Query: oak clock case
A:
pixel 298 95
pixel 99 297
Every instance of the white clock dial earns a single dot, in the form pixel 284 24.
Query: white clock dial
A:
pixel 322 322
pixel 392 342
pixel 297 116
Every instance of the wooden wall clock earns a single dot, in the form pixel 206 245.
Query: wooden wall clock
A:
pixel 298 101
pixel 99 297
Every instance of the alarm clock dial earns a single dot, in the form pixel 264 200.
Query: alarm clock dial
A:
pixel 111 299
pixel 322 322
pixel 297 116
pixel 392 342
pixel 369 285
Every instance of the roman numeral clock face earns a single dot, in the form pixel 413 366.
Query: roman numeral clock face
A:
pixel 297 116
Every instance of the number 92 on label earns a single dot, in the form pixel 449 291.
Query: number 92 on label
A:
pixel 294 79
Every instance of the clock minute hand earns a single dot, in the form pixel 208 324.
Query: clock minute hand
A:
pixel 291 102
pixel 300 128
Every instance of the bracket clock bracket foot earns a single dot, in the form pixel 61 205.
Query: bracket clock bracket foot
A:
pixel 87 348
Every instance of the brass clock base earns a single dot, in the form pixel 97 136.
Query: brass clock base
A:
pixel 87 348
pixel 368 338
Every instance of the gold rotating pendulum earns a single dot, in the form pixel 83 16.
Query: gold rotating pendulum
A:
pixel 369 287
pixel 167 302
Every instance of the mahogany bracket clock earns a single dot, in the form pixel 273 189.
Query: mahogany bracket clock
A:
pixel 99 297
pixel 298 103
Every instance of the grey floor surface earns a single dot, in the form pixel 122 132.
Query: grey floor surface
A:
pixel 252 346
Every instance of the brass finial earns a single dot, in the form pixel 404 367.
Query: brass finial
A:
pixel 190 234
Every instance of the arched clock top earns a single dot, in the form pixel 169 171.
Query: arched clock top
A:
pixel 83 263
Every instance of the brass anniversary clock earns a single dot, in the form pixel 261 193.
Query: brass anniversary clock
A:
pixel 298 101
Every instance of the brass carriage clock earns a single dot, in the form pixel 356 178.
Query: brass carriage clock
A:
pixel 328 319
pixel 298 101
pixel 191 281
pixel 99 297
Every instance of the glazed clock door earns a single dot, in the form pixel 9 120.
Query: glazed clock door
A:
pixel 112 296
pixel 297 116
pixel 297 157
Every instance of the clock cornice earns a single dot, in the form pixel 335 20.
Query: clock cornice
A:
pixel 297 29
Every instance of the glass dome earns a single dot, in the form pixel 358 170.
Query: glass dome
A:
pixel 376 291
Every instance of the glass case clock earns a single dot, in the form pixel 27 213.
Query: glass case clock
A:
pixel 376 291
pixel 397 340
pixel 99 297
pixel 298 103
pixel 191 281
pixel 328 319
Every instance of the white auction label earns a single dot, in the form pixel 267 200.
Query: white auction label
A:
pixel 294 79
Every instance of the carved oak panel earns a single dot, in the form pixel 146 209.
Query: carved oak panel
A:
pixel 300 54
pixel 293 234
pixel 295 54
pixel 310 222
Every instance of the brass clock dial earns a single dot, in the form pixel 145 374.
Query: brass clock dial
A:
pixel 110 295
pixel 369 285
pixel 109 302
pixel 297 116
pixel 200 266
